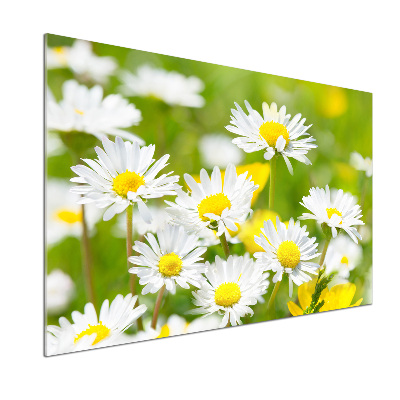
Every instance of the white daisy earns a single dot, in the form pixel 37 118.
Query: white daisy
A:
pixel 82 61
pixel 337 211
pixel 343 256
pixel 88 332
pixel 361 164
pixel 123 174
pixel 227 152
pixel 170 87
pixel 287 249
pixel 274 132
pixel 173 259
pixel 213 204
pixel 86 111
pixel 63 214
pixel 60 289
pixel 231 287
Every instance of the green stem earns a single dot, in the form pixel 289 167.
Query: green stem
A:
pixel 225 245
pixel 273 295
pixel 272 180
pixel 323 254
pixel 157 307
pixel 132 277
pixel 87 259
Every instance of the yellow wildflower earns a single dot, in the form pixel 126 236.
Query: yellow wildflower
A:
pixel 340 296
pixel 333 102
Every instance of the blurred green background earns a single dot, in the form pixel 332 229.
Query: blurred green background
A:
pixel 342 123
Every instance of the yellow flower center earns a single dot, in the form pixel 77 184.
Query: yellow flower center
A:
pixel 170 264
pixel 331 211
pixel 344 260
pixel 288 254
pixel 100 330
pixel 68 216
pixel 164 332
pixel 214 204
pixel 227 294
pixel 270 132
pixel 59 50
pixel 127 182
pixel 80 112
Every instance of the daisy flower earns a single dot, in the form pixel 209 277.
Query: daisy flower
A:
pixel 343 256
pixel 231 287
pixel 361 164
pixel 337 211
pixel 123 174
pixel 227 152
pixel 273 133
pixel 172 259
pixel 89 332
pixel 60 290
pixel 172 88
pixel 82 61
pixel 63 214
pixel 338 297
pixel 85 110
pixel 287 249
pixel 213 204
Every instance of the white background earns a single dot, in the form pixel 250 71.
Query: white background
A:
pixel 351 354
